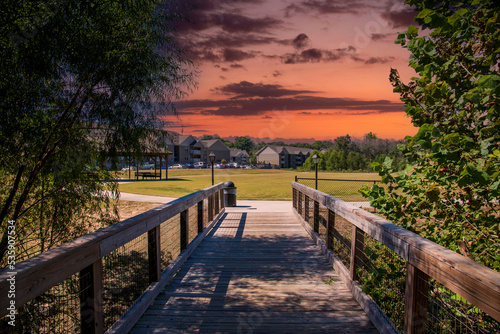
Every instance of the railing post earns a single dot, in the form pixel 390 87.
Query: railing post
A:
pixel 210 208
pixel 306 209
pixel 200 216
pixel 154 256
pixel 91 315
pixel 316 217
pixel 294 198
pixel 221 198
pixel 357 251
pixel 330 227
pixel 184 229
pixel 216 200
pixel 417 288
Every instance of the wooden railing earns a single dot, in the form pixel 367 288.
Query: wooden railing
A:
pixel 82 259
pixel 425 262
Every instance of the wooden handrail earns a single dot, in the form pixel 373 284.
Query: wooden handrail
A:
pixel 38 274
pixel 474 282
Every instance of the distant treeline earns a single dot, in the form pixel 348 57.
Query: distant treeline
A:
pixel 341 154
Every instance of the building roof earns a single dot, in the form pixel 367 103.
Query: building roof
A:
pixel 237 152
pixel 288 149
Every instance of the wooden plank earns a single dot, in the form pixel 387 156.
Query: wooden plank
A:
pixel 416 291
pixel 358 258
pixel 154 254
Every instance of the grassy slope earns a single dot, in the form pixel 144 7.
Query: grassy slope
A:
pixel 255 184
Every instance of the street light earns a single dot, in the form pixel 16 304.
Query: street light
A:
pixel 211 157
pixel 315 160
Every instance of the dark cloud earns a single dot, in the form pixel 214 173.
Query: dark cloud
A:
pixel 259 106
pixel 237 66
pixel 378 60
pixel 317 55
pixel 276 74
pixel 231 55
pixel 223 77
pixel 245 89
pixel 398 14
pixel 301 41
pixel 379 37
pixel 327 7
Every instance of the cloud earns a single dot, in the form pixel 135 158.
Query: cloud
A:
pixel 237 66
pixel 231 55
pixel 317 55
pixel 245 89
pixel 301 41
pixel 378 60
pixel 325 7
pixel 379 37
pixel 277 74
pixel 399 15
pixel 260 106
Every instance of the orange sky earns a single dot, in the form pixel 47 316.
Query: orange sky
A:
pixel 295 69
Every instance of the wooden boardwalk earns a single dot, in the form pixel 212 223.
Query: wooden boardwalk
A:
pixel 256 272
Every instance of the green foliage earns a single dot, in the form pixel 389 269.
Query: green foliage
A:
pixel 244 143
pixel 450 190
pixel 76 81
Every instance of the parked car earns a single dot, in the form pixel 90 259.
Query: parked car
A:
pixel 129 168
pixel 200 164
pixel 190 166
pixel 177 166
pixel 148 166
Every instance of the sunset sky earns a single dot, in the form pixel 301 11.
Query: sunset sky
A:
pixel 295 69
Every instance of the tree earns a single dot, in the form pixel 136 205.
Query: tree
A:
pixel 449 193
pixel 244 143
pixel 77 78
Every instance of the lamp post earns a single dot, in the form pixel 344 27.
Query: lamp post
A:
pixel 315 160
pixel 211 157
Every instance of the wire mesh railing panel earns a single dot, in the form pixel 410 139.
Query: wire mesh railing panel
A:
pixel 55 311
pixel 342 235
pixel 382 275
pixel 125 277
pixel 205 212
pixel 170 236
pixel 449 313
pixel 322 222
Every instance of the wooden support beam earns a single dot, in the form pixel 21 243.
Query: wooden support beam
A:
pixel 358 257
pixel 221 196
pixel 316 217
pixel 200 217
pixel 416 295
pixel 216 202
pixel 306 209
pixel 184 220
pixel 91 313
pixel 154 255
pixel 330 228
pixel 210 208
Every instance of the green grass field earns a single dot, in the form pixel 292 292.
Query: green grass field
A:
pixel 253 184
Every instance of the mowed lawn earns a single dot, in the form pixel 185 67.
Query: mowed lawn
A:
pixel 252 184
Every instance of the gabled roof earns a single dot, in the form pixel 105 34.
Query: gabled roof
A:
pixel 235 152
pixel 288 149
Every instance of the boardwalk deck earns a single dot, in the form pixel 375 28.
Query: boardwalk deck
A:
pixel 256 272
